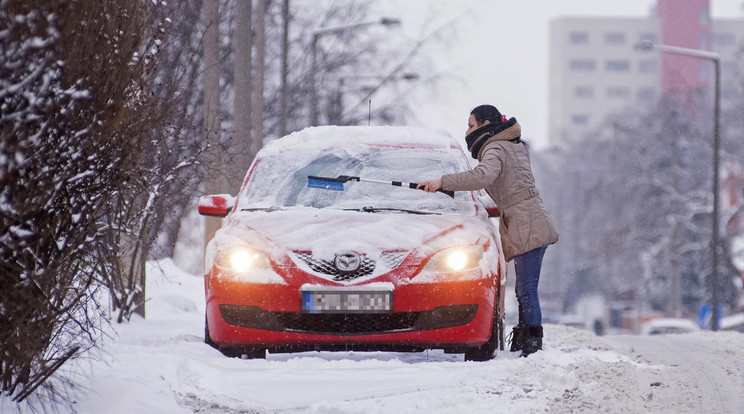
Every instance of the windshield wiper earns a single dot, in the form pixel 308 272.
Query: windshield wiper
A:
pixel 269 209
pixel 368 209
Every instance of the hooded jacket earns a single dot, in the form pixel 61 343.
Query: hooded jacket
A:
pixel 505 173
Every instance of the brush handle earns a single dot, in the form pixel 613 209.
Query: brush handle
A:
pixel 404 184
pixel 439 190
pixel 414 185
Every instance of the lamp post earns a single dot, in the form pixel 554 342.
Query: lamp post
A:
pixel 715 58
pixel 337 116
pixel 317 33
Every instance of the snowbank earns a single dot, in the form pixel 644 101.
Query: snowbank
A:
pixel 161 365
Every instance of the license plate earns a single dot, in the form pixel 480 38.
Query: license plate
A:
pixel 347 301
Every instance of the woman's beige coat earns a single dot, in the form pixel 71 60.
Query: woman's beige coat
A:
pixel 504 171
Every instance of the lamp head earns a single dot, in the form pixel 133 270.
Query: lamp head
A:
pixel 645 45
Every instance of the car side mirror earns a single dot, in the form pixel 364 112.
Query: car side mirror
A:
pixel 216 205
pixel 491 208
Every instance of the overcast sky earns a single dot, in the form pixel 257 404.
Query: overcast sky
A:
pixel 500 55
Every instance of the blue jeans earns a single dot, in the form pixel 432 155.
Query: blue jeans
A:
pixel 527 267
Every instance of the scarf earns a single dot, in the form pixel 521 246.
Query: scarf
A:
pixel 477 138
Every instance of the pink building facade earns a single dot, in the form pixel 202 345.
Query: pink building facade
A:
pixel 685 23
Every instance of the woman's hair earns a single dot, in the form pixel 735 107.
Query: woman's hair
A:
pixel 485 113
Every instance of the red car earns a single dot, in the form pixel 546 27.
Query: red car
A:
pixel 372 266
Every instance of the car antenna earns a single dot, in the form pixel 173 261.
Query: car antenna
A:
pixel 369 111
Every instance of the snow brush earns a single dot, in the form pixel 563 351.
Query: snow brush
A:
pixel 337 184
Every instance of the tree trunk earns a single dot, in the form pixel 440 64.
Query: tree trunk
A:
pixel 212 124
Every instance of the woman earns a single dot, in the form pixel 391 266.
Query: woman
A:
pixel 525 225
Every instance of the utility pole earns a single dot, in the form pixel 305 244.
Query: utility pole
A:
pixel 212 122
pixel 242 127
pixel 316 34
pixel 285 69
pixel 258 105
pixel 715 243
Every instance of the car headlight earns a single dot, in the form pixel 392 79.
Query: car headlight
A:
pixel 241 259
pixel 455 259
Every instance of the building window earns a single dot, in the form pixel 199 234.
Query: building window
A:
pixel 647 94
pixel 704 16
pixel 704 43
pixel 618 92
pixel 584 92
pixel 580 119
pixel 648 66
pixel 728 94
pixel 729 66
pixel 615 38
pixel 617 65
pixel 582 65
pixel 647 37
pixel 723 39
pixel 577 38
pixel 704 70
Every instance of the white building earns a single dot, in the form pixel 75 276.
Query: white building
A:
pixel 597 74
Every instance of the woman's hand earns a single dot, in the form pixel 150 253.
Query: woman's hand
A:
pixel 430 186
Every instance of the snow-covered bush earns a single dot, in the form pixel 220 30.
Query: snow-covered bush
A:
pixel 85 105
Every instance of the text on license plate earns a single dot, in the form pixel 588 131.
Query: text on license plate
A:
pixel 338 301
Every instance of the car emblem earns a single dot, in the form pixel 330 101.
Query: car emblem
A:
pixel 347 262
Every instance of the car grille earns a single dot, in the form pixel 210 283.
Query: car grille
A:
pixel 392 259
pixel 350 323
pixel 326 267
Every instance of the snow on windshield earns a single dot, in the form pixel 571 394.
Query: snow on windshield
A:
pixel 280 175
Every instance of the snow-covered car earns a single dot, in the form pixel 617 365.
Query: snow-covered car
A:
pixel 371 266
pixel 660 326
pixel 733 322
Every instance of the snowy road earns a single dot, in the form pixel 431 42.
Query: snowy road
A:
pixel 702 370
pixel 161 365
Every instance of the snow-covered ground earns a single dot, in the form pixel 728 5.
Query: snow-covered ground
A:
pixel 161 365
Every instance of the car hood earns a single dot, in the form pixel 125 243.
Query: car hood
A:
pixel 328 231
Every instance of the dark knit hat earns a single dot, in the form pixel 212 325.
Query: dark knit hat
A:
pixel 489 113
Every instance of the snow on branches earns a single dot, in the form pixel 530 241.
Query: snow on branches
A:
pixel 84 131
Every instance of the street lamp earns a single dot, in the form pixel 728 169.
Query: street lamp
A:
pixel 337 116
pixel 317 33
pixel 715 58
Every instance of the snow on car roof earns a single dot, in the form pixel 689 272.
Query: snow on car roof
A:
pixel 314 138
pixel 672 322
pixel 732 321
pixel 669 325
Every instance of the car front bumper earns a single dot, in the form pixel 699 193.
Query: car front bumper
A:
pixel 425 315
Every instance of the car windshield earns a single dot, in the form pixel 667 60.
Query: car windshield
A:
pixel 280 180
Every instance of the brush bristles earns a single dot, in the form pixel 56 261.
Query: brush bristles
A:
pixel 324 184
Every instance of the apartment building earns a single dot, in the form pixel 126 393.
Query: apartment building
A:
pixel 597 74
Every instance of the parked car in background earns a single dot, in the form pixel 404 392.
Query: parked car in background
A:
pixel 370 267
pixel 733 322
pixel 669 326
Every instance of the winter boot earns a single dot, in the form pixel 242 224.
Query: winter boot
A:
pixel 517 337
pixel 533 340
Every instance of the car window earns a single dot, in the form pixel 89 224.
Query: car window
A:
pixel 280 179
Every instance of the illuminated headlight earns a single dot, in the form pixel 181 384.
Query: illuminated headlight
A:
pixel 241 259
pixel 455 259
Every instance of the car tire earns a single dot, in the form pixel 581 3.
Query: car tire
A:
pixel 207 338
pixel 246 352
pixel 496 341
pixel 243 352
